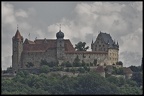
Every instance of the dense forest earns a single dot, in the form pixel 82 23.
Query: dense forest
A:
pixel 85 83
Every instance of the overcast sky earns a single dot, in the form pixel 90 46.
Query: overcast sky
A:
pixel 81 21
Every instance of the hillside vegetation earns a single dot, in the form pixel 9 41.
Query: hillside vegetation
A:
pixel 85 83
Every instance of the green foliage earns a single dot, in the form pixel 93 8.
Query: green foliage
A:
pixel 73 70
pixel 66 64
pixel 118 71
pixel 83 63
pixel 86 83
pixel 135 68
pixel 76 62
pixel 91 64
pixel 81 70
pixel 50 64
pixel 81 46
pixel 119 63
pixel 29 64
pixel 95 62
pixel 86 68
pixel 126 89
pixel 137 77
pixel 44 69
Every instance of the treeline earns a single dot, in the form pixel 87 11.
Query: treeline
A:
pixel 86 83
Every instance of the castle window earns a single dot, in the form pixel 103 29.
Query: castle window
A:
pixel 95 45
pixel 95 49
pixel 103 45
pixel 99 45
pixel 89 56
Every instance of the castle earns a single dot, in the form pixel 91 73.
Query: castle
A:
pixel 60 50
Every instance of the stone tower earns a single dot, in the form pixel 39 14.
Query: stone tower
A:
pixel 17 44
pixel 60 46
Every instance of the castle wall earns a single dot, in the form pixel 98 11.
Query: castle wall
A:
pixel 113 56
pixel 87 58
pixel 36 57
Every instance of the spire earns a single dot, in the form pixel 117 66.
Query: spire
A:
pixel 18 35
pixel 92 41
pixel 114 42
pixel 17 26
pixel 29 36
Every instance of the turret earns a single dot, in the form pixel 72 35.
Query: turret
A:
pixel 60 46
pixel 117 44
pixel 17 43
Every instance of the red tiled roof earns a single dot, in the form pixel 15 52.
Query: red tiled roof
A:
pixel 44 44
pixel 127 70
pixel 68 45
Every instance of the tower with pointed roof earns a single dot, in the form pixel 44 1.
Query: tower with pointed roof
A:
pixel 17 48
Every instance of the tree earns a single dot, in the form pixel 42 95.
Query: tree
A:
pixel 50 64
pixel 43 62
pixel 29 64
pixel 44 69
pixel 81 70
pixel 81 46
pixel 137 76
pixel 95 62
pixel 66 64
pixel 135 68
pixel 119 63
pixel 76 62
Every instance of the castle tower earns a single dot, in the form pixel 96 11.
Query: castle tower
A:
pixel 113 53
pixel 60 46
pixel 105 43
pixel 17 43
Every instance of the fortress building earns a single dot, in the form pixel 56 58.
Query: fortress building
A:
pixel 104 50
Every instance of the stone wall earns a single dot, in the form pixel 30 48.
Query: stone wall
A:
pixel 36 57
pixel 87 58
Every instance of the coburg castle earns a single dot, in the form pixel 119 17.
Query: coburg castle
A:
pixel 105 50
